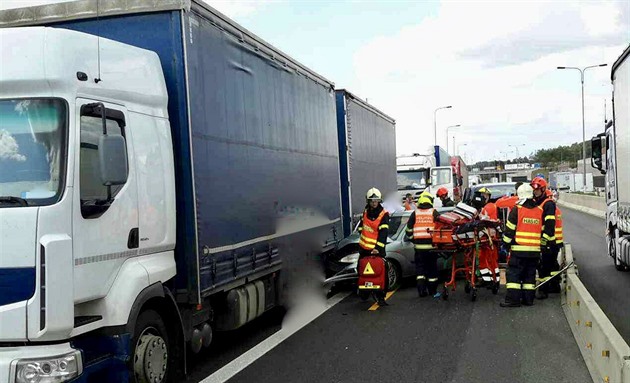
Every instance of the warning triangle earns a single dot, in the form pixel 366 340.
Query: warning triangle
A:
pixel 368 269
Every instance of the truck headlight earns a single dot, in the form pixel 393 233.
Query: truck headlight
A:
pixel 48 370
pixel 352 258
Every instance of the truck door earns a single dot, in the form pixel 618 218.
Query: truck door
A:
pixel 105 219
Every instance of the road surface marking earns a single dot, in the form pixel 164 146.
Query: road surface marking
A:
pixel 249 357
pixel 375 306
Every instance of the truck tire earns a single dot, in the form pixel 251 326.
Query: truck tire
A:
pixel 612 250
pixel 150 349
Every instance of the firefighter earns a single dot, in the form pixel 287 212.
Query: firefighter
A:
pixel 509 202
pixel 523 236
pixel 442 194
pixel 548 240
pixel 419 231
pixel 488 256
pixel 549 266
pixel 374 228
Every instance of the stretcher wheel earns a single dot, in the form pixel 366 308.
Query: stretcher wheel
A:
pixel 445 293
pixel 474 295
pixel 467 288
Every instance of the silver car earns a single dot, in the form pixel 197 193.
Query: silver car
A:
pixel 342 264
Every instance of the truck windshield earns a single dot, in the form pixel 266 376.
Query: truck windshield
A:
pixel 32 143
pixel 410 180
pixel 441 176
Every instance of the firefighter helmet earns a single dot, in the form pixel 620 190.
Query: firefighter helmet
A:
pixel 539 183
pixel 442 192
pixel 374 194
pixel 484 190
pixel 425 198
pixel 525 191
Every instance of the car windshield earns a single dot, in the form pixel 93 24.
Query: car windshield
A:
pixel 498 191
pixel 32 140
pixel 409 180
pixel 395 222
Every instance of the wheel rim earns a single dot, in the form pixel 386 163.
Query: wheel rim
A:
pixel 151 357
pixel 392 276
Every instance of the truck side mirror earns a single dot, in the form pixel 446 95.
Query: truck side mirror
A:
pixel 596 153
pixel 112 160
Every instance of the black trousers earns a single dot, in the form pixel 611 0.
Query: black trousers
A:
pixel 426 271
pixel 521 278
pixel 378 294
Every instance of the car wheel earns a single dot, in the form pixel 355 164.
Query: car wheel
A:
pixel 394 275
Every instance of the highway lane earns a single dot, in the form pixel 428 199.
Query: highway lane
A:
pixel 427 340
pixel 609 287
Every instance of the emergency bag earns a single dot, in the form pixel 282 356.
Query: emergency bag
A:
pixel 372 273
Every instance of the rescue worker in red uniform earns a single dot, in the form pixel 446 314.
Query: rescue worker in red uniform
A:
pixel 509 202
pixel 419 230
pixel 488 256
pixel 523 236
pixel 549 265
pixel 442 194
pixel 374 228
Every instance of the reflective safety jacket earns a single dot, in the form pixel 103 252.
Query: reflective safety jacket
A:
pixel 369 231
pixel 524 229
pixel 420 227
pixel 490 211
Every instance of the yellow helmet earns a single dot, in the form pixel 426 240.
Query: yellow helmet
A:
pixel 485 190
pixel 374 194
pixel 425 197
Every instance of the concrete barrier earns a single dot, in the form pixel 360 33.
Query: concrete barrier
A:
pixel 605 352
pixel 586 203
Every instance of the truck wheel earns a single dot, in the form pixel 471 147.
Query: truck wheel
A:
pixel 612 251
pixel 150 349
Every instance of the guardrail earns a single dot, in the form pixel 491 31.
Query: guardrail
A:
pixel 586 203
pixel 605 352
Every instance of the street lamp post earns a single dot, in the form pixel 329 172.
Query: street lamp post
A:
pixel 583 128
pixel 516 147
pixel 458 146
pixel 452 126
pixel 435 123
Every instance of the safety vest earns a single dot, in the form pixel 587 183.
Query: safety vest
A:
pixel 409 206
pixel 369 231
pixel 422 229
pixel 559 233
pixel 528 229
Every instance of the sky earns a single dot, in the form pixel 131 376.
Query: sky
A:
pixel 493 62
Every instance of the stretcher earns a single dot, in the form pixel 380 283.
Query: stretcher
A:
pixel 465 234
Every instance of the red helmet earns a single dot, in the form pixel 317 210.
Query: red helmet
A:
pixel 539 183
pixel 442 192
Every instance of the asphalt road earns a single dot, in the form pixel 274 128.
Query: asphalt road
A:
pixel 608 286
pixel 427 340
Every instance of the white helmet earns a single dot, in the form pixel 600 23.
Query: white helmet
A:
pixel 374 194
pixel 525 191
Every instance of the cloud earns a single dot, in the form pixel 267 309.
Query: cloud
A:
pixel 9 149
pixel 496 64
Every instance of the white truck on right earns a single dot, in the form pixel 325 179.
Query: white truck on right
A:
pixel 611 155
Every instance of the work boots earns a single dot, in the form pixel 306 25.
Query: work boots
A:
pixel 422 288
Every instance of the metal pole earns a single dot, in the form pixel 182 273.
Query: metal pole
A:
pixel 583 136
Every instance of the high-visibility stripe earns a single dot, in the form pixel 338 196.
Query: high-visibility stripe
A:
pixel 432 279
pixel 553 273
pixel 528 241
pixel 543 279
pixel 525 234
pixel 548 217
pixel 549 238
pixel 386 226
pixel 510 225
pixel 369 240
pixel 525 248
pixel 420 277
pixel 380 244
pixel 360 229
pixel 422 246
pixel 408 230
pixel 507 239
pixel 365 245
pixel 529 286
pixel 513 286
